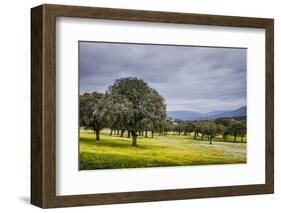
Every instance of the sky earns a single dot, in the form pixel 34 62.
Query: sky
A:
pixel 200 79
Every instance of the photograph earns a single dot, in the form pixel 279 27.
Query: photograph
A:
pixel 161 105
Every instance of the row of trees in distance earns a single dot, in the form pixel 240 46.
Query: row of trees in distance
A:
pixel 211 128
pixel 200 129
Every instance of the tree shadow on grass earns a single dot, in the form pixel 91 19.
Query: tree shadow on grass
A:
pixel 112 143
pixel 218 140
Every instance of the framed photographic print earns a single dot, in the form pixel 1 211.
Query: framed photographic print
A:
pixel 137 106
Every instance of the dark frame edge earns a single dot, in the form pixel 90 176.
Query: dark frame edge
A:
pixel 157 196
pixel 269 105
pixel 42 107
pixel 37 197
pixel 156 16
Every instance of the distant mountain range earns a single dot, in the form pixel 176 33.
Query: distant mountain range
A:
pixel 191 115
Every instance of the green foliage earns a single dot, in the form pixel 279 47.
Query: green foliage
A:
pixel 211 128
pixel 237 128
pixel 121 112
pixel 130 104
pixel 144 107
pixel 94 111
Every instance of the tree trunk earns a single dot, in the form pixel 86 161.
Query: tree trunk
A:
pixel 134 136
pixel 202 136
pixel 211 140
pixel 235 135
pixel 152 133
pixel 122 132
pixel 129 133
pixel 97 135
pixel 117 132
pixel 145 133
pixel 111 132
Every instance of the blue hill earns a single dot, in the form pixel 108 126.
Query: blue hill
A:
pixel 191 115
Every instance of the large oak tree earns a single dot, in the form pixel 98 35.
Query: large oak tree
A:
pixel 143 104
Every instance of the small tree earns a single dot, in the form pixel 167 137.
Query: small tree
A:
pixel 180 127
pixel 196 126
pixel 221 129
pixel 94 108
pixel 210 130
pixel 237 128
pixel 203 126
pixel 187 127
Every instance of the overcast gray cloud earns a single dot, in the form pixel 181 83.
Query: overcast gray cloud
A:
pixel 200 79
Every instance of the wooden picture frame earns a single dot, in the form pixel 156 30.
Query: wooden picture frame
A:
pixel 43 105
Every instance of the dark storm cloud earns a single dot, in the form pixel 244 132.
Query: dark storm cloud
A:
pixel 202 79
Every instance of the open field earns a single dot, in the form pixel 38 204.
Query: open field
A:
pixel 113 152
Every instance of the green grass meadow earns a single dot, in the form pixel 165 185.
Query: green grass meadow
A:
pixel 115 152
